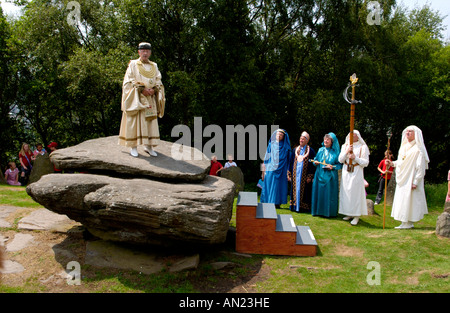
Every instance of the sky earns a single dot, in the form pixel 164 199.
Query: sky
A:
pixel 443 6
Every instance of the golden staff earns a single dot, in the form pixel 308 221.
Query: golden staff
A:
pixel 353 80
pixel 389 135
pixel 323 163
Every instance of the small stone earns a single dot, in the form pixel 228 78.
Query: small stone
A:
pixel 11 267
pixel 187 263
pixel 20 242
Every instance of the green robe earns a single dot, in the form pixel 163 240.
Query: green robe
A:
pixel 325 190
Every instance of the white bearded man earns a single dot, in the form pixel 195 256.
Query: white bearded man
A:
pixel 352 193
pixel 410 204
pixel 143 101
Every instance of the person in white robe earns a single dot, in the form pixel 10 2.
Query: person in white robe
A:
pixel 410 204
pixel 143 101
pixel 352 193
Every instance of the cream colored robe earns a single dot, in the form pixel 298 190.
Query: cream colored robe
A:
pixel 139 124
pixel 352 193
pixel 409 205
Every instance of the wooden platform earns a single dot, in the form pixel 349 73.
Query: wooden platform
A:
pixel 260 230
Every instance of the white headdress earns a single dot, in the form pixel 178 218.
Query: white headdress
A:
pixel 360 139
pixel 419 141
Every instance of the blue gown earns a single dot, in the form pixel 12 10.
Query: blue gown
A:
pixel 300 189
pixel 276 161
pixel 325 190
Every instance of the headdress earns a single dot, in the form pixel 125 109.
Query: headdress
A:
pixel 360 139
pixel 419 142
pixel 305 134
pixel 144 45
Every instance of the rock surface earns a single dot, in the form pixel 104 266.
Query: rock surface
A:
pixel 43 219
pixel 106 156
pixel 141 211
pixel 370 207
pixel 41 166
pixel 443 225
pixel 234 174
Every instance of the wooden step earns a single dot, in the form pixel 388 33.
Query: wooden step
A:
pixel 305 236
pixel 266 210
pixel 285 223
pixel 260 230
pixel 246 198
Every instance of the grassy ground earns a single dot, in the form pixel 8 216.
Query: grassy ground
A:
pixel 350 259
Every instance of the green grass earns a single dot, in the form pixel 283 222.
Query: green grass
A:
pixel 16 196
pixel 411 261
pixel 415 260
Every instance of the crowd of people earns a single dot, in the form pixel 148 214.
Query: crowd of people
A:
pixel 314 181
pixel 19 175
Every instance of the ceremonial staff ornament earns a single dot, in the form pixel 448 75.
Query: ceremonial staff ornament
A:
pixel 389 135
pixel 323 163
pixel 353 81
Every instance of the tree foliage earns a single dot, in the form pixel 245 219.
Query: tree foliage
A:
pixel 231 62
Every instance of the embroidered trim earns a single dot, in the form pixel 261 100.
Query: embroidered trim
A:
pixel 146 73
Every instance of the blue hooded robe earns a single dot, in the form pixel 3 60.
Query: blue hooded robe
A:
pixel 325 190
pixel 276 161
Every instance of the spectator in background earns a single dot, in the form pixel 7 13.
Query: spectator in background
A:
pixel 216 166
pixel 230 162
pixel 447 199
pixel 12 175
pixel 39 151
pixel 382 169
pixel 53 146
pixel 25 157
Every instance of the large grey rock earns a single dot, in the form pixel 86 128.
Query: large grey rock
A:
pixel 234 174
pixel 370 207
pixel 390 192
pixel 447 207
pixel 41 166
pixel 106 156
pixel 140 210
pixel 443 225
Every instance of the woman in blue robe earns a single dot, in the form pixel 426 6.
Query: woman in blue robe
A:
pixel 275 169
pixel 325 191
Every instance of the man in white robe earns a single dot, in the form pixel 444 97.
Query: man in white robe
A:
pixel 352 193
pixel 410 204
pixel 143 101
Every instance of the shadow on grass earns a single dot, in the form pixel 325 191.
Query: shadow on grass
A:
pixel 238 269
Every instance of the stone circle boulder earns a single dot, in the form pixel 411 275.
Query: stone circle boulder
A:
pixel 141 211
pixel 234 174
pixel 105 156
pixel 41 166
pixel 443 222
pixel 145 200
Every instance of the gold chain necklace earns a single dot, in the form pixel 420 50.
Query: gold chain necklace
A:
pixel 146 73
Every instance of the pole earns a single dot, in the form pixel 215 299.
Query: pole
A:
pixel 389 134
pixel 354 80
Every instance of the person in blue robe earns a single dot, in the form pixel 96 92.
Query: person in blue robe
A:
pixel 325 190
pixel 302 175
pixel 275 169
